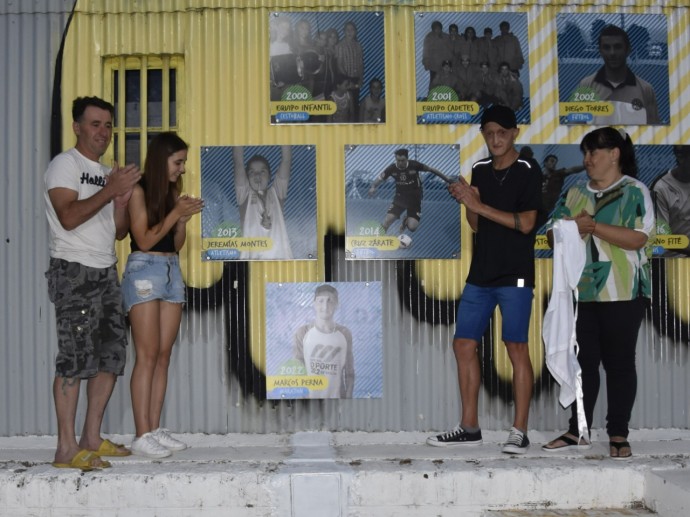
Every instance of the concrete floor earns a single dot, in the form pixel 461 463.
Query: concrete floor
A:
pixel 321 474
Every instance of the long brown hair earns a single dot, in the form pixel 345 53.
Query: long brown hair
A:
pixel 159 193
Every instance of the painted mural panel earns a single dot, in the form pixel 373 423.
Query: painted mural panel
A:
pixel 327 68
pixel 613 69
pixel 397 201
pixel 324 340
pixel 260 202
pixel 468 60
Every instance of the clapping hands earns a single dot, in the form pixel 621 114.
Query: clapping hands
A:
pixel 465 193
pixel 121 181
pixel 186 206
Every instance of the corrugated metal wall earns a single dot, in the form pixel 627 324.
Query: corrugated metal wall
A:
pixel 216 382
pixel 30 34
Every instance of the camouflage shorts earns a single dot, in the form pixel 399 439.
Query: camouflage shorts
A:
pixel 92 335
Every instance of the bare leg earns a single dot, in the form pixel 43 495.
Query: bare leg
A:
pixel 170 316
pixel 98 391
pixel 469 378
pixel 523 381
pixel 66 395
pixel 146 336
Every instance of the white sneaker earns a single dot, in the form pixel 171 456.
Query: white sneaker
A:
pixel 163 436
pixel 147 445
pixel 517 443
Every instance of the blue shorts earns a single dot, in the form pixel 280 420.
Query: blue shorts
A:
pixel 152 277
pixel 477 304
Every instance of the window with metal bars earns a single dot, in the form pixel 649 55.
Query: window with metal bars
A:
pixel 144 91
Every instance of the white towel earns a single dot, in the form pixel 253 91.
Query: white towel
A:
pixel 558 331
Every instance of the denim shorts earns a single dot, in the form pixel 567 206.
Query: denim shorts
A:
pixel 91 331
pixel 152 277
pixel 477 304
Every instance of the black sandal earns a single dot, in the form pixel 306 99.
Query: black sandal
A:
pixel 617 446
pixel 570 444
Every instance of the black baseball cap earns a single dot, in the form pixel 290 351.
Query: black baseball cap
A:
pixel 502 115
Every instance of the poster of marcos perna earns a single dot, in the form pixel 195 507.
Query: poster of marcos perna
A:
pixel 260 202
pixel 324 340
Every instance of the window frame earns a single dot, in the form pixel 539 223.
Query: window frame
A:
pixel 142 63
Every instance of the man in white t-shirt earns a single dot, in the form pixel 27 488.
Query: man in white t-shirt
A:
pixel 325 348
pixel 86 207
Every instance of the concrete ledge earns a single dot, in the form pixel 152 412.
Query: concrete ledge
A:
pixel 667 492
pixel 348 474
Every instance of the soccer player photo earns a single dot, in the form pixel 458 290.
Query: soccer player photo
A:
pixel 613 69
pixel 397 202
pixel 561 166
pixel 324 340
pixel 664 169
pixel 669 185
pixel 260 202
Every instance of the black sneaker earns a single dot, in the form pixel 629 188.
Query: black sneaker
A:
pixel 457 436
pixel 517 443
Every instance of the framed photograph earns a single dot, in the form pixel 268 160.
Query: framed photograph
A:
pixel 561 166
pixel 327 67
pixel 260 202
pixel 613 69
pixel 324 340
pixel 466 61
pixel 664 169
pixel 397 202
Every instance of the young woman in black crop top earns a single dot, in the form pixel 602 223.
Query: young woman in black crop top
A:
pixel 152 285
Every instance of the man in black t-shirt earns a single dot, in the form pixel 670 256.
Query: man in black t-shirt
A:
pixel 408 190
pixel 501 206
